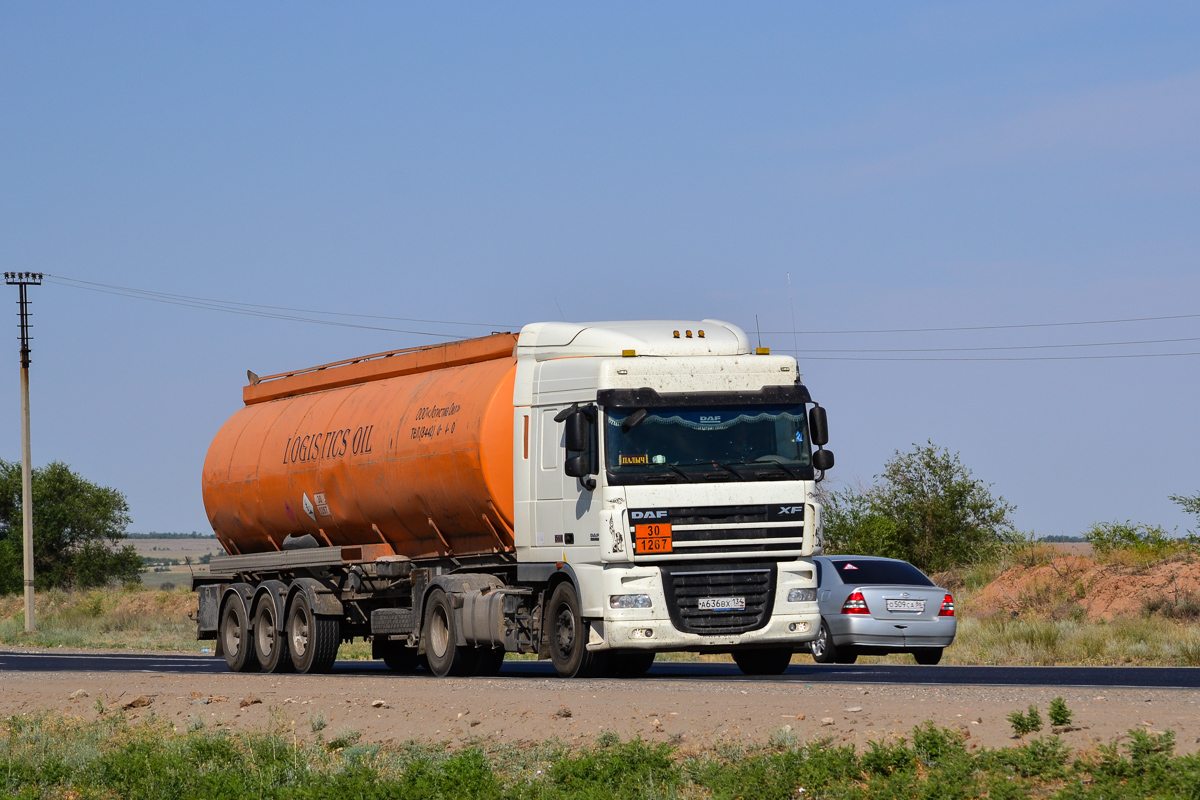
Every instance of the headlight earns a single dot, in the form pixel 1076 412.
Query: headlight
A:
pixel 802 595
pixel 629 601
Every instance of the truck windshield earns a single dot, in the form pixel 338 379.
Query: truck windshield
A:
pixel 761 442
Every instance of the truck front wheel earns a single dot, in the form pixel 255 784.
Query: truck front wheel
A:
pixel 444 656
pixel 569 635
pixel 772 661
pixel 313 639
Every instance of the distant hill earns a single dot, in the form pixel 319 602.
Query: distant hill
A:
pixel 157 535
pixel 1057 539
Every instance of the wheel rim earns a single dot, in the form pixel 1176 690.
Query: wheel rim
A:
pixel 439 632
pixel 264 634
pixel 300 632
pixel 232 640
pixel 564 631
pixel 819 644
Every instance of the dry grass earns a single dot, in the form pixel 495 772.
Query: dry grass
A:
pixel 135 618
pixel 1046 623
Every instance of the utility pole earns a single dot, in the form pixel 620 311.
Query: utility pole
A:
pixel 23 280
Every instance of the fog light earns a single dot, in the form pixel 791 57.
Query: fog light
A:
pixel 629 601
pixel 642 633
pixel 798 627
pixel 802 595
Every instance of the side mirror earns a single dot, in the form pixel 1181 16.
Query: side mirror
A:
pixel 818 427
pixel 823 460
pixel 576 467
pixel 576 434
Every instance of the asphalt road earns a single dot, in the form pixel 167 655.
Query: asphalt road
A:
pixel 1114 677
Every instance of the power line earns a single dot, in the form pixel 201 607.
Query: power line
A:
pixel 252 309
pixel 1006 347
pixel 996 358
pixel 995 327
pixel 78 283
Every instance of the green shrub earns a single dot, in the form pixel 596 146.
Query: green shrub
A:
pixel 926 508
pixel 1151 541
pixel 1025 723
pixel 1060 715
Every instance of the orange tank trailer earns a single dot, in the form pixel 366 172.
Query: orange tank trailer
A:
pixel 408 452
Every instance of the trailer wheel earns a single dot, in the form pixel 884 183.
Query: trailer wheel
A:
pixel 772 661
pixel 569 635
pixel 313 639
pixel 236 641
pixel 270 645
pixel 444 656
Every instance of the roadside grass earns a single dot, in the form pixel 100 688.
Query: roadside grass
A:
pixel 48 757
pixel 133 617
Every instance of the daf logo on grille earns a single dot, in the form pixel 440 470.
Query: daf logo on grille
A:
pixel 659 514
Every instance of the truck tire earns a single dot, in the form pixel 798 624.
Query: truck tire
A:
pixel 770 661
pixel 488 662
pixel 440 634
pixel 312 639
pixel 630 665
pixel 569 635
pixel 270 644
pixel 236 641
pixel 927 656
pixel 397 655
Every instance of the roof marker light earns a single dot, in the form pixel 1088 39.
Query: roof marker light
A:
pixel 762 351
pixel 628 353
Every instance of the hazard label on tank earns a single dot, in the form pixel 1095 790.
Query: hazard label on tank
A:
pixel 308 507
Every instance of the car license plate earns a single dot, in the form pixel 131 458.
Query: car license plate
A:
pixel 652 538
pixel 906 605
pixel 722 604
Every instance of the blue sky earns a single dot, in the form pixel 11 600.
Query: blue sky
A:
pixel 910 166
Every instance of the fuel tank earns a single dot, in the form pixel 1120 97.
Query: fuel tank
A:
pixel 413 449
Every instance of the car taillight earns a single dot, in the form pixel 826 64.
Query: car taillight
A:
pixel 947 607
pixel 855 604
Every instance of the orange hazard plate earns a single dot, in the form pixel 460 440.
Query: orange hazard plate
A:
pixel 653 538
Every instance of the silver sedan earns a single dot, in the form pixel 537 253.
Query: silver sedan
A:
pixel 873 606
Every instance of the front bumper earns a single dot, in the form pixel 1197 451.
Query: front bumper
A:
pixel 859 630
pixel 789 624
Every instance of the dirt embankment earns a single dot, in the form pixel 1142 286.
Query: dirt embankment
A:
pixel 1076 587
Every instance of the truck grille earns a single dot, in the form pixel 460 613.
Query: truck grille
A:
pixel 734 530
pixel 686 585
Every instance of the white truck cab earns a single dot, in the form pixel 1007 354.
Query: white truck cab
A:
pixel 668 466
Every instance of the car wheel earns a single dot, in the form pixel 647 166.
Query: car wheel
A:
pixel 823 650
pixel 772 661
pixel 928 656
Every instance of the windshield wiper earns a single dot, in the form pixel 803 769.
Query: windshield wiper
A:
pixel 757 464
pixel 728 468
pixel 680 472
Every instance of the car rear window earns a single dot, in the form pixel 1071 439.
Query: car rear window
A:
pixel 869 571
